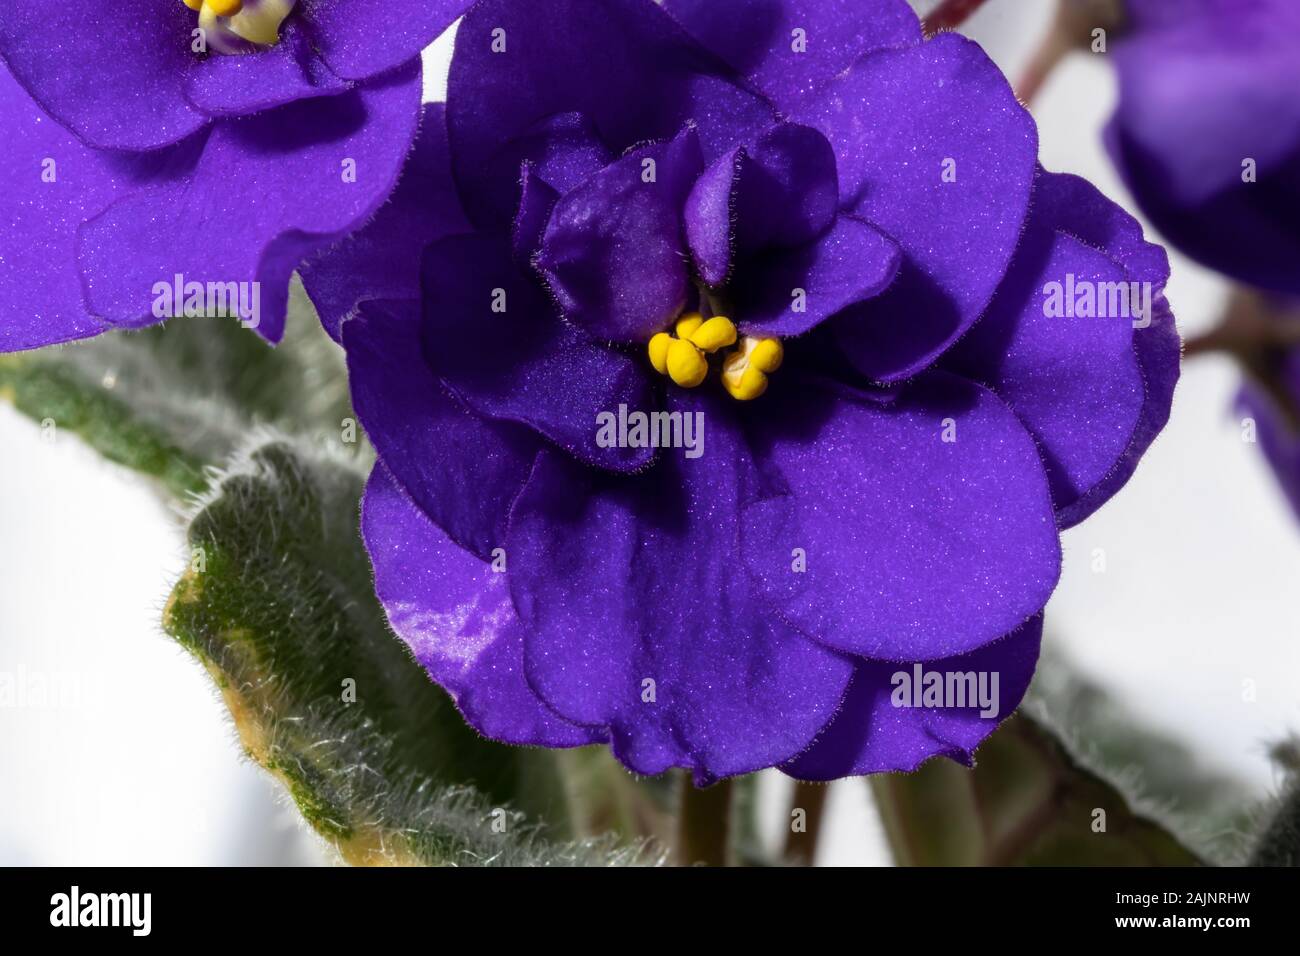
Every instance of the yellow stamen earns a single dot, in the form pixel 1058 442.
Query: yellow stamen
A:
pixel 659 352
pixel 718 332
pixel 745 371
pixel 223 8
pixel 686 364
pixel 237 26
pixel 687 324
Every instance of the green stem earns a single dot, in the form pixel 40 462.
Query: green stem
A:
pixel 704 824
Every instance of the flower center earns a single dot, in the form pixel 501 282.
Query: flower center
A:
pixel 682 355
pixel 241 26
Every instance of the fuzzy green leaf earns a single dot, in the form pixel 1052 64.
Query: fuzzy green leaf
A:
pixel 173 398
pixel 278 605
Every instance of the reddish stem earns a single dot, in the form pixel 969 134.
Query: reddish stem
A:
pixel 948 15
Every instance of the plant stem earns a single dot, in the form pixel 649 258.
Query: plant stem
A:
pixel 704 824
pixel 1071 30
pixel 948 15
pixel 801 848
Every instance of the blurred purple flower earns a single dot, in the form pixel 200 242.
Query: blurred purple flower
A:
pixel 134 151
pixel 849 194
pixel 1207 131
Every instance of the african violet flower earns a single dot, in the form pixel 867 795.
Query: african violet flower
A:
pixel 1207 131
pixel 782 219
pixel 215 141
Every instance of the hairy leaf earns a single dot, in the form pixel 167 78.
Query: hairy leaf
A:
pixel 278 605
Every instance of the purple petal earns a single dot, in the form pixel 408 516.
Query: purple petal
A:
pixel 709 217
pixel 623 64
pixel 1276 431
pixel 40 292
pixel 759 38
pixel 536 200
pixel 382 259
pixel 461 470
pixel 957 237
pixel 564 150
pixel 1199 95
pixel 1073 379
pixel 1206 89
pixel 779 191
pixel 614 252
pixel 493 336
pixel 1079 209
pixel 363 38
pixel 789 291
pixel 113 75
pixel 872 735
pixel 264 193
pixel 925 522
pixel 634 579
pixel 453 611
pixel 288 71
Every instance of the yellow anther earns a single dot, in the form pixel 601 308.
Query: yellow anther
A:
pixel 766 356
pixel 686 364
pixel 744 383
pixel 744 371
pixel 688 323
pixel 659 352
pixel 716 333
pixel 225 8
pixel 195 5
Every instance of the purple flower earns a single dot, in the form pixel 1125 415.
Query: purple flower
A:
pixel 1207 131
pixel 1273 411
pixel 881 479
pixel 135 150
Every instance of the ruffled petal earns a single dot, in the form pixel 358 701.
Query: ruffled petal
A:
pixel 363 38
pixel 789 48
pixel 453 611
pixel 640 620
pixel 781 191
pixel 493 336
pixel 1074 379
pixel 235 85
pixel 709 217
pixel 264 193
pixel 923 523
pixel 536 200
pixel 902 122
pixel 564 150
pixel 113 75
pixel 623 64
pixel 460 469
pixel 789 291
pixel 875 733
pixel 52 182
pixel 613 252
pixel 1077 208
pixel 382 259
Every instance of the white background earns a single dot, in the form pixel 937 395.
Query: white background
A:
pixel 1199 596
